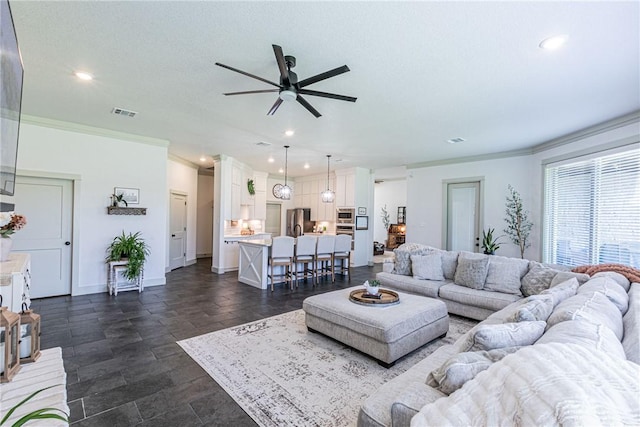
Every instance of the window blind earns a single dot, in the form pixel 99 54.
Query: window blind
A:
pixel 592 210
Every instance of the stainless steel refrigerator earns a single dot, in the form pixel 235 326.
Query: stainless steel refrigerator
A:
pixel 299 222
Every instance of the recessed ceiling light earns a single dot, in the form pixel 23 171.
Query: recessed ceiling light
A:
pixel 82 75
pixel 271 159
pixel 455 140
pixel 306 166
pixel 289 132
pixel 281 170
pixel 203 159
pixel 553 43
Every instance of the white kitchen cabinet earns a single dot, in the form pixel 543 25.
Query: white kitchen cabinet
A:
pixel 260 208
pixel 15 281
pixel 345 191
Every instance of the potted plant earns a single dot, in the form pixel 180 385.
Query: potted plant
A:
pixel 131 247
pixel 517 219
pixel 489 243
pixel 117 199
pixel 373 287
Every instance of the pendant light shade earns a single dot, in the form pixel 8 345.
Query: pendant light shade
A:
pixel 328 196
pixel 283 192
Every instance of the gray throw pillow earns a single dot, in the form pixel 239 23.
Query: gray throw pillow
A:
pixel 563 276
pixel 593 307
pixel 449 264
pixel 427 267
pixel 504 276
pixel 537 279
pixel 403 262
pixel 471 272
pixel 501 335
pixel 562 291
pixel 463 367
pixel 537 307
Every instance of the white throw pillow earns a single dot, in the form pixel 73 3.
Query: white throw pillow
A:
pixel 537 307
pixel 593 307
pixel 610 289
pixel 427 267
pixel 562 291
pixel 490 337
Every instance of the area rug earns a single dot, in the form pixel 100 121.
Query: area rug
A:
pixel 283 375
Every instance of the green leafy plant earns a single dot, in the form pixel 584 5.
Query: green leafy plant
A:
pixel 38 414
pixel 385 217
pixel 131 247
pixel 489 243
pixel 517 219
pixel 374 283
pixel 251 187
pixel 117 199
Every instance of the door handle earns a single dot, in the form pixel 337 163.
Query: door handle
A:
pixel 173 235
pixel 67 243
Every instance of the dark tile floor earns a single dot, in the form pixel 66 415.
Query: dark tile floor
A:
pixel 123 365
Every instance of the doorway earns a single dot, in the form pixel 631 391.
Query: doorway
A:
pixel 47 203
pixel 178 230
pixel 273 221
pixel 463 216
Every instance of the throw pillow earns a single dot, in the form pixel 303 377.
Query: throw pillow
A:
pixel 592 307
pixel 563 276
pixel 537 307
pixel 403 262
pixel 503 276
pixel 562 291
pixel 537 279
pixel 471 272
pixel 427 267
pixel 462 367
pixel 501 335
pixel 610 289
pixel 449 264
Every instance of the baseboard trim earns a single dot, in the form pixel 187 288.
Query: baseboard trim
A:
pixel 98 289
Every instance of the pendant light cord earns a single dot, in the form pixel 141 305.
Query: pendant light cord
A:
pixel 286 160
pixel 328 170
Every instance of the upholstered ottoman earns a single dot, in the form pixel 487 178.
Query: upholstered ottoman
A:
pixel 385 332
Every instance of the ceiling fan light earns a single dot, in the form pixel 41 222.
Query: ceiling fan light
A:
pixel 288 95
pixel 328 196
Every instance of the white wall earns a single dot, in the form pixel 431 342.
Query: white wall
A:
pixel 103 163
pixel 284 204
pixel 392 194
pixel 182 178
pixel 204 218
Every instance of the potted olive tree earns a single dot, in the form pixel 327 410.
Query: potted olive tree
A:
pixel 131 247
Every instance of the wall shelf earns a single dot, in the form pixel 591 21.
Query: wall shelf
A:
pixel 117 210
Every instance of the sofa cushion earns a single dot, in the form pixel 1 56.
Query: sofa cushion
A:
pixel 476 297
pixel 562 291
pixel 537 279
pixel 426 288
pixel 490 337
pixel 471 272
pixel 619 278
pixel 631 339
pixel 537 307
pixel 610 289
pixel 427 267
pixel 464 367
pixel 449 263
pixel 592 307
pixel 504 274
pixel 563 276
pixel 586 334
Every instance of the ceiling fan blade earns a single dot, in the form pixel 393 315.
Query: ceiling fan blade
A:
pixel 323 76
pixel 282 65
pixel 247 74
pixel 275 106
pixel 308 106
pixel 252 91
pixel 327 95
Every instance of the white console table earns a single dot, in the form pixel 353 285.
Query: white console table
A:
pixel 15 281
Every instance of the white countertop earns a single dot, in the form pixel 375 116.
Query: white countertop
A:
pixel 256 242
pixel 235 237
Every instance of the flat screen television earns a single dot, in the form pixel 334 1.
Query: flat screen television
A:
pixel 11 72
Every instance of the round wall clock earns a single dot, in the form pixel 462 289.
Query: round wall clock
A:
pixel 277 191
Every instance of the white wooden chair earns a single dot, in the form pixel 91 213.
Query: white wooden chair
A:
pixel 305 254
pixel 281 255
pixel 342 253
pixel 324 257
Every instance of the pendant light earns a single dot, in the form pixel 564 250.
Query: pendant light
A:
pixel 286 190
pixel 328 196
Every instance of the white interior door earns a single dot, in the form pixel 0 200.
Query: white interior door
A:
pixel 463 216
pixel 47 204
pixel 178 229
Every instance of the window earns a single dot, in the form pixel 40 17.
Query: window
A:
pixel 592 210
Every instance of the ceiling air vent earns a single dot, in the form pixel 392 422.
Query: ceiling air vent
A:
pixel 123 112
pixel 263 144
pixel 455 140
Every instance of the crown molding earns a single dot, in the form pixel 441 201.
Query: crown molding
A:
pixel 185 162
pixel 76 127
pixel 481 157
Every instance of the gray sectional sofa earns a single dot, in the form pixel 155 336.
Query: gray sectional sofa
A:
pixel 568 353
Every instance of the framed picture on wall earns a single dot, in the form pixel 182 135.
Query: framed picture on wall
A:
pixel 131 195
pixel 362 223
pixel 362 211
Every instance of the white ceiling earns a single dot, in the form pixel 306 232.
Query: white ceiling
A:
pixel 423 72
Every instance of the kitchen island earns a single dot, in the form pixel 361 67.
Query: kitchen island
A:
pixel 253 262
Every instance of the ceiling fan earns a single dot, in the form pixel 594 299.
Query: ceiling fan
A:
pixel 290 88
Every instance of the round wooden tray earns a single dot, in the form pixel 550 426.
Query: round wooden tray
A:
pixel 386 297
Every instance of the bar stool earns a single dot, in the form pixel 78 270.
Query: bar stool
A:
pixel 342 253
pixel 324 257
pixel 281 255
pixel 305 255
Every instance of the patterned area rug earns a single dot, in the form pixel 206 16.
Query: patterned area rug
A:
pixel 283 375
